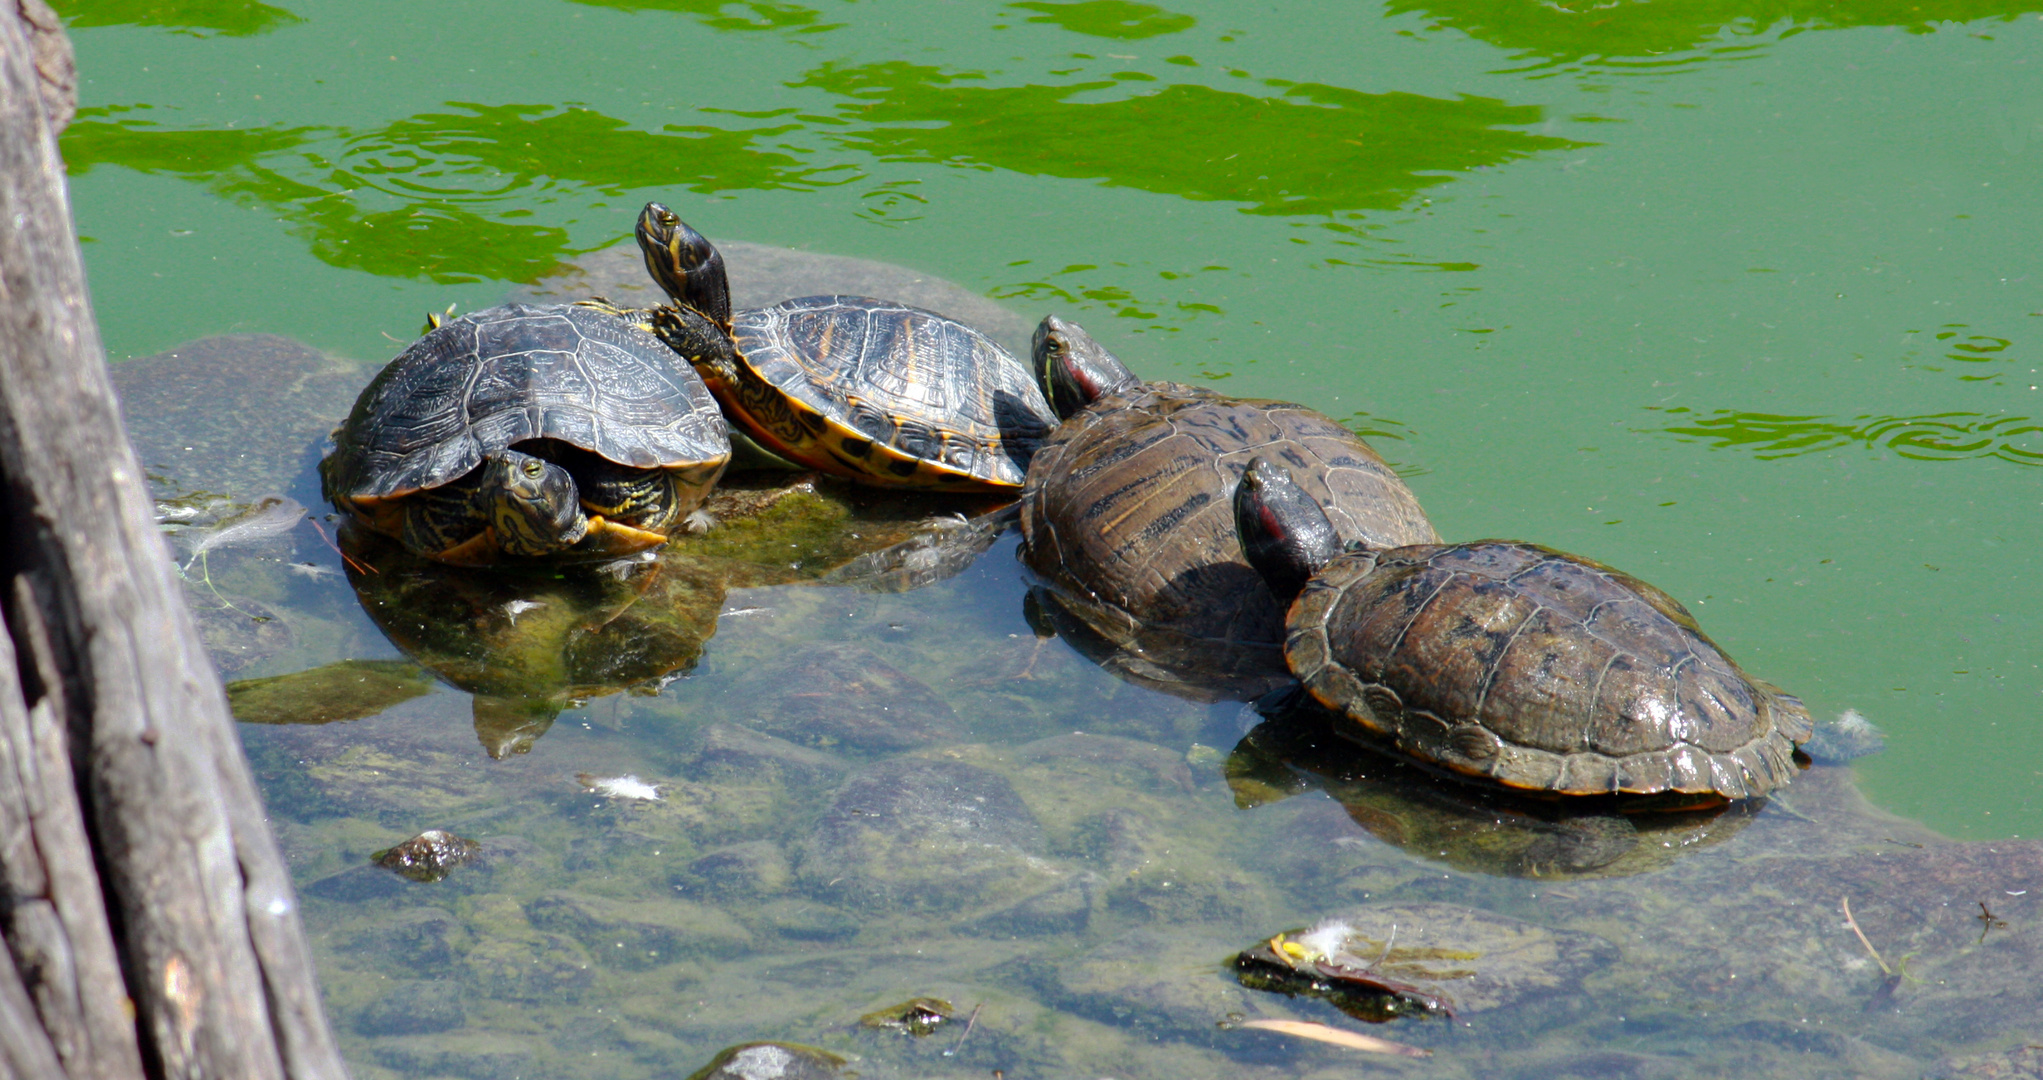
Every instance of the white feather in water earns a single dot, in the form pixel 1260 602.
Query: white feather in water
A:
pixel 619 787
pixel 271 517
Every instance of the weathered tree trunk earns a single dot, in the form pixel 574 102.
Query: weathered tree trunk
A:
pixel 149 921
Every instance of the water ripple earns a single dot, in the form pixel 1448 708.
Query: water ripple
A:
pixel 1945 436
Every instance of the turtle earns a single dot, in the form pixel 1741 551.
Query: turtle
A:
pixel 876 391
pixel 1509 663
pixel 524 431
pixel 1125 515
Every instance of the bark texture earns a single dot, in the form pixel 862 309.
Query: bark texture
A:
pixel 150 925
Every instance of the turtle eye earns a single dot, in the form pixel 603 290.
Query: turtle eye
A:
pixel 534 468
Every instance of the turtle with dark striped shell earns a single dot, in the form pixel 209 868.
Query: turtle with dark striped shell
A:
pixel 1127 514
pixel 871 390
pixel 522 432
pixel 1512 663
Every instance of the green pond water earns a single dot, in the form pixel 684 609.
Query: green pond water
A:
pixel 1741 298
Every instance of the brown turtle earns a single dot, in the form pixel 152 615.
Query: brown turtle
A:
pixel 1514 663
pixel 1126 513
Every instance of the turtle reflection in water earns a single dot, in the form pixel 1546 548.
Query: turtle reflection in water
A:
pixel 1469 827
pixel 528 645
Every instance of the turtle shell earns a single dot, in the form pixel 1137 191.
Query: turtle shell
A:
pixel 1538 669
pixel 882 392
pixel 1128 516
pixel 501 376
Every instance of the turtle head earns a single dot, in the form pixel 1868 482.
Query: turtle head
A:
pixel 1075 370
pixel 1284 533
pixel 684 263
pixel 532 503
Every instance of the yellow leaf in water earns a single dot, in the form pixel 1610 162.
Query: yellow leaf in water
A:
pixel 1306 1029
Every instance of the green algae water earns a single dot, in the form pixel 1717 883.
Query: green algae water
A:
pixel 1743 299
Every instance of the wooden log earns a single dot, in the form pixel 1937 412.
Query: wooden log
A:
pixel 55 921
pixel 196 900
pixel 25 1049
pixel 55 70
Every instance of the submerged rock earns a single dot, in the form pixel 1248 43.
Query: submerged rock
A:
pixel 2021 1063
pixel 727 749
pixel 414 1008
pixel 242 415
pixel 801 920
pixel 770 1061
pixel 1774 928
pixel 754 868
pixel 541 968
pixel 638 934
pixel 1119 762
pixel 1161 983
pixel 237 632
pixel 1065 908
pixel 925 835
pixel 428 856
pixel 344 690
pixel 916 1016
pixel 473 1055
pixel 833 696
pixel 420 939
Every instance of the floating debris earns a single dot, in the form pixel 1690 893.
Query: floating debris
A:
pixel 312 570
pixel 1353 1040
pixel 1988 921
pixel 514 608
pixel 916 1016
pixel 1384 961
pixel 428 856
pixel 971 1022
pixel 1319 962
pixel 619 787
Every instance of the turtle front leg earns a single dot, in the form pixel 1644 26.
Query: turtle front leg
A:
pixel 608 538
